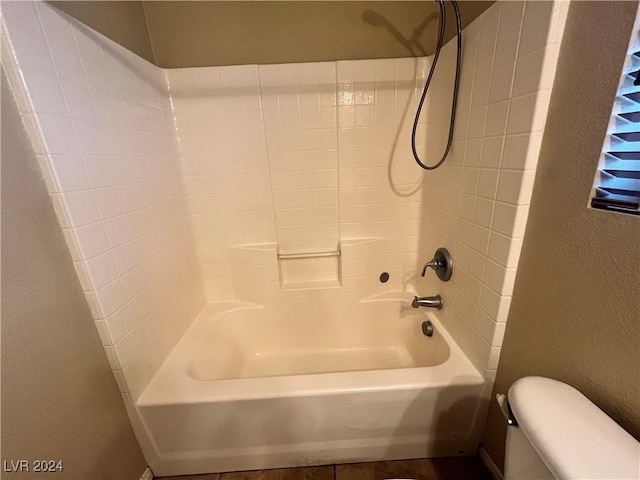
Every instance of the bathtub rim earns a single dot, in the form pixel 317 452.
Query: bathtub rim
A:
pixel 173 385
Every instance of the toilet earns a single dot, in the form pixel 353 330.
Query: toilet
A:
pixel 556 432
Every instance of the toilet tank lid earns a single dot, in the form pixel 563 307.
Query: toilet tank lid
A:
pixel 573 437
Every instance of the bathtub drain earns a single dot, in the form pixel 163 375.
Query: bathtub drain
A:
pixel 427 328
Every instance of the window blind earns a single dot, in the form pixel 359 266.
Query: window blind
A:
pixel 617 182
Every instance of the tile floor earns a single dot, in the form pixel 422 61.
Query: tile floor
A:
pixel 453 468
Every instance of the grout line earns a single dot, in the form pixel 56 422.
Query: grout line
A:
pixel 337 127
pixel 267 153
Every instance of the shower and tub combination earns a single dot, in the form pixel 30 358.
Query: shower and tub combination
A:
pixel 251 238
pixel 273 385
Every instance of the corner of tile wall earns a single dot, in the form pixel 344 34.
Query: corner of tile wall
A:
pixel 98 118
pixel 477 204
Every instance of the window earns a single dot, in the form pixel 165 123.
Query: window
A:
pixel 617 182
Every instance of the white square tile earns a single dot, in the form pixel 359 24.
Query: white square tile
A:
pixel 132 283
pixel 29 44
pixel 469 183
pixel 126 257
pixel 101 270
pixel 491 331
pixel 473 288
pixel 496 119
pixel 494 304
pixel 508 32
pixel 466 210
pixel 127 348
pixel 528 73
pixel 70 172
pixel 77 98
pixel 510 219
pixel 494 276
pixel 477 119
pixel 91 240
pixel 80 208
pixel 465 229
pixel 98 171
pixel 58 135
pixel 509 186
pixel 480 239
pixel 481 89
pixel 88 137
pixel 521 112
pixel 116 231
pixel 487 41
pixel 491 152
pixel 487 183
pixel 487 354
pixel 474 152
pixel 140 306
pixel 504 216
pixel 476 264
pixel 110 298
pixel 535 27
pixel 484 212
pixel 107 202
pixel 504 250
pixel 515 151
pixel 118 325
pixel 501 81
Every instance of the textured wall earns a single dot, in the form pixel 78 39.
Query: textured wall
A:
pixel 576 303
pixel 59 399
pixel 208 33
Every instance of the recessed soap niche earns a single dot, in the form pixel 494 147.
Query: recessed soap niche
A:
pixel 261 270
pixel 310 269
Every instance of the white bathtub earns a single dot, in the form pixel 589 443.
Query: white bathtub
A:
pixel 304 381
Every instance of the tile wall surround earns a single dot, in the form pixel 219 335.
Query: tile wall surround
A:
pixel 296 159
pixel 477 203
pixel 101 126
pixel 173 186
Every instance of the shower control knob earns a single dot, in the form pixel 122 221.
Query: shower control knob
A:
pixel 442 263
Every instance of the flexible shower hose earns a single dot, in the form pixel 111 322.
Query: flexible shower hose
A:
pixel 441 28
